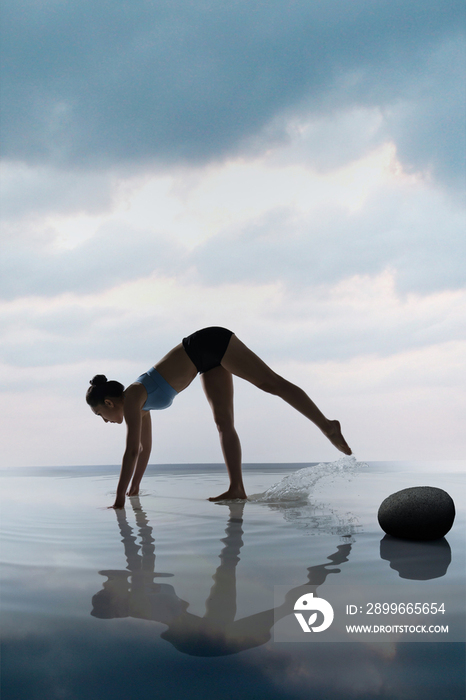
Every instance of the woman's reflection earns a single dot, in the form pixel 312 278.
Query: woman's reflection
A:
pixel 217 633
pixel 140 597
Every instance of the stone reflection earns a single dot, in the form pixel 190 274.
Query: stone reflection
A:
pixel 134 593
pixel 419 561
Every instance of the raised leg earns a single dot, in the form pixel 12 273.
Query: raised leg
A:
pixel 218 387
pixel 242 362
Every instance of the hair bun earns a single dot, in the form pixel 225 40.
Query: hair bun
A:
pixel 98 379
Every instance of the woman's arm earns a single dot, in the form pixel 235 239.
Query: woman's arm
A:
pixel 144 454
pixel 133 418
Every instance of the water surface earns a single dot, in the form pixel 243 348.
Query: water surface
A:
pixel 175 597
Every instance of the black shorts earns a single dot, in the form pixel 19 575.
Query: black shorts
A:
pixel 207 347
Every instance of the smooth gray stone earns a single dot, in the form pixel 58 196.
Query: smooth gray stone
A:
pixel 417 513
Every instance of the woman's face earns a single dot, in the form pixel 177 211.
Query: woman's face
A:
pixel 111 411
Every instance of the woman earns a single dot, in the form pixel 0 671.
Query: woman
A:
pixel 217 354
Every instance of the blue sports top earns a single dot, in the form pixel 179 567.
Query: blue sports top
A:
pixel 159 392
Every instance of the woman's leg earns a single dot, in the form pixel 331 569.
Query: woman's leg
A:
pixel 242 362
pixel 218 387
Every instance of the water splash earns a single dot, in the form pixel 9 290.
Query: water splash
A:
pixel 296 487
pixel 291 498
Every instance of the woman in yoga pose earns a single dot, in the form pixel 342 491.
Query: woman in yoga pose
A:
pixel 217 354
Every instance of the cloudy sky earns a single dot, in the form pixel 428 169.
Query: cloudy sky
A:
pixel 291 169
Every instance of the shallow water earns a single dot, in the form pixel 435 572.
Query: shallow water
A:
pixel 177 597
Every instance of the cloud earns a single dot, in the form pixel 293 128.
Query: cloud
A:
pixel 116 253
pixel 411 232
pixel 256 221
pixel 428 124
pixel 94 84
pixel 174 165
pixel 32 192
pixel 360 316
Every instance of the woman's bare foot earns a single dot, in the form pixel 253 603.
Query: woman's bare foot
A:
pixel 229 495
pixel 133 491
pixel 336 438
